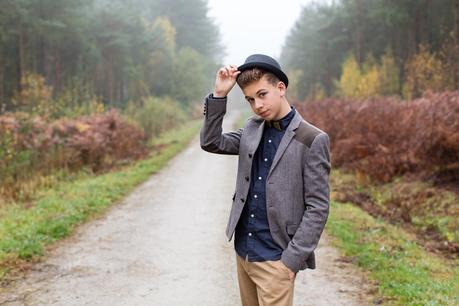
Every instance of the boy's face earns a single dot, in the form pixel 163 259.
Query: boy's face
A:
pixel 265 98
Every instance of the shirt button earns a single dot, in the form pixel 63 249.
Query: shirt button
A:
pixel 259 178
pixel 255 196
pixel 250 234
pixel 269 140
pixel 252 215
pixel 266 159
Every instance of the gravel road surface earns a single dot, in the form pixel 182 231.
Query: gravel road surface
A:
pixel 164 244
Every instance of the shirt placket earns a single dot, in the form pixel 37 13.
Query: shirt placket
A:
pixel 264 160
pixel 254 201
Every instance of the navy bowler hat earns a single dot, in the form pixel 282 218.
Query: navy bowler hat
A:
pixel 266 63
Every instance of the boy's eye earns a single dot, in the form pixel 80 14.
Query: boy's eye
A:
pixel 262 94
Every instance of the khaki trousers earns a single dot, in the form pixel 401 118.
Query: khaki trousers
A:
pixel 264 283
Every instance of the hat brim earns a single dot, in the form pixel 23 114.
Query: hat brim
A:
pixel 277 72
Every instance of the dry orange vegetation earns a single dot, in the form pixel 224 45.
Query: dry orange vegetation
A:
pixel 385 137
pixel 31 146
pixel 405 160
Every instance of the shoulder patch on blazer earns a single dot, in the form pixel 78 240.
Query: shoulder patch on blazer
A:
pixel 305 133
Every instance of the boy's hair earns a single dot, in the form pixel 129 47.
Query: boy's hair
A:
pixel 249 76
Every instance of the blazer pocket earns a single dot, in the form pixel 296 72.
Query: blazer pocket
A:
pixel 291 229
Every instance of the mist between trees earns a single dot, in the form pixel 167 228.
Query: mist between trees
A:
pixel 58 55
pixel 369 48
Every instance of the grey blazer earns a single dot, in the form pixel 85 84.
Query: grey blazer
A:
pixel 297 186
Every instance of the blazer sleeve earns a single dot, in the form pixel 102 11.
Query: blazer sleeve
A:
pixel 212 138
pixel 317 200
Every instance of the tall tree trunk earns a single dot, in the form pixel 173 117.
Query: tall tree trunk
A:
pixel 57 72
pixel 422 22
pixel 455 46
pixel 98 79
pixel 358 36
pixel 411 44
pixel 110 78
pixel 328 83
pixel 456 20
pixel 2 92
pixel 40 52
pixel 121 89
pixel 22 59
pixel 41 58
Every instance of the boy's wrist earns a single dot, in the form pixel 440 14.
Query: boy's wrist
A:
pixel 213 96
pixel 219 94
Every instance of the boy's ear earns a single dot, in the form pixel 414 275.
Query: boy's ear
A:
pixel 282 88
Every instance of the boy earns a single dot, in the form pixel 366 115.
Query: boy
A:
pixel 281 202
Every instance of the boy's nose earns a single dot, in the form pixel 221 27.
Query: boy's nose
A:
pixel 258 104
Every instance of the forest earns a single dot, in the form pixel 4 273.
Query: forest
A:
pixel 369 48
pixel 65 53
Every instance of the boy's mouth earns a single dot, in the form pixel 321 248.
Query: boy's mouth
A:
pixel 264 113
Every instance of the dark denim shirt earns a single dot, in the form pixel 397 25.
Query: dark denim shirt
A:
pixel 252 235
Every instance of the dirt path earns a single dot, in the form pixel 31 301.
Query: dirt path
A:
pixel 165 245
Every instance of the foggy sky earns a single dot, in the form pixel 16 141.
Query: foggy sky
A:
pixel 254 26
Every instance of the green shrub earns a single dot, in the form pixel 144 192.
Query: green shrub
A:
pixel 156 115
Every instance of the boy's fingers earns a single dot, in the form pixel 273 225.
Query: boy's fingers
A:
pixel 235 73
pixel 223 72
pixel 232 68
pixel 228 71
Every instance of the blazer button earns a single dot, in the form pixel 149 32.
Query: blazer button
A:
pixel 247 178
pixel 250 155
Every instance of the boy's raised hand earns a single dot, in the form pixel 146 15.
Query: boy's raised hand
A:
pixel 225 80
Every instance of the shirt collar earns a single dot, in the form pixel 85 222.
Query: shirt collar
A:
pixel 282 123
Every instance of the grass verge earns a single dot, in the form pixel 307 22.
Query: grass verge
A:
pixel 406 274
pixel 431 212
pixel 27 228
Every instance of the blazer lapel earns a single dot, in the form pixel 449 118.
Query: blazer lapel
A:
pixel 255 140
pixel 289 133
